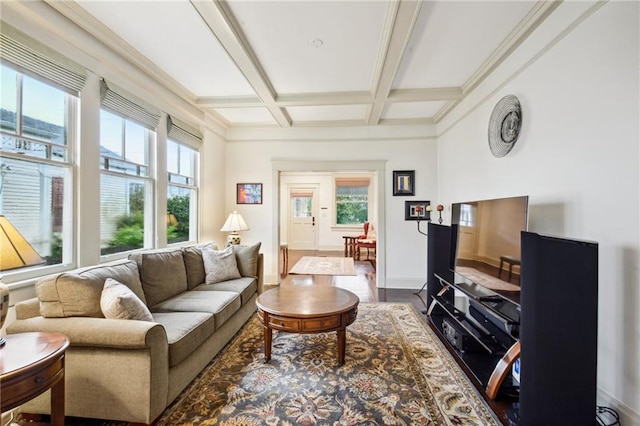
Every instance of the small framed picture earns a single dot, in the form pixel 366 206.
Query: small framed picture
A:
pixel 417 210
pixel 249 193
pixel 404 182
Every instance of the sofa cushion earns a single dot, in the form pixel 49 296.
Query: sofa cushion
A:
pixel 247 259
pixel 220 265
pixel 194 264
pixel 119 302
pixel 222 304
pixel 162 273
pixel 186 331
pixel 78 294
pixel 246 286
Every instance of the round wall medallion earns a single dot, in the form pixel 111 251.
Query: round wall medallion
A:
pixel 504 125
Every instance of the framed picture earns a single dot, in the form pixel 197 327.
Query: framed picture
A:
pixel 249 193
pixel 404 182
pixel 417 210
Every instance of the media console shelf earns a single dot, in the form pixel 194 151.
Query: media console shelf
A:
pixel 481 327
pixel 550 325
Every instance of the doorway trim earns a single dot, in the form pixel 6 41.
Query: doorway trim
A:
pixel 378 167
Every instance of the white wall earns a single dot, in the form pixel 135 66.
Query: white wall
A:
pixel 578 160
pixel 250 159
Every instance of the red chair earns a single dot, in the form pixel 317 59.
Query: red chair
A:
pixel 367 241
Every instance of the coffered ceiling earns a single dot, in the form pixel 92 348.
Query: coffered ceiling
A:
pixel 314 63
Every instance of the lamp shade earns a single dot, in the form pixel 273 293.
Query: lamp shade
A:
pixel 234 223
pixel 15 251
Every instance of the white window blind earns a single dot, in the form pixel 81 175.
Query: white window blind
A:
pixel 116 102
pixel 182 132
pixel 32 62
pixel 352 181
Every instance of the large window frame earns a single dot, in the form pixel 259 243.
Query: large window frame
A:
pixel 118 165
pixel 54 162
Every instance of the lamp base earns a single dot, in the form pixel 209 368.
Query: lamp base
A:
pixel 233 239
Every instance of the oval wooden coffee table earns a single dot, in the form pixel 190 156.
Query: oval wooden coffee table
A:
pixel 307 309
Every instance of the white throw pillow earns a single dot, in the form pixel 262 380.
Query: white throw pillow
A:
pixel 220 265
pixel 119 302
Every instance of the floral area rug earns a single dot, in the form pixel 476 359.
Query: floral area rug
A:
pixel 396 373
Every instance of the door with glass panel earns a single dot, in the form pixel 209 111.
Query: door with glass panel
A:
pixel 302 219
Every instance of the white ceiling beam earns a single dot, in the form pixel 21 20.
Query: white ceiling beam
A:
pixel 229 102
pixel 334 98
pixel 425 95
pixel 217 16
pixel 401 21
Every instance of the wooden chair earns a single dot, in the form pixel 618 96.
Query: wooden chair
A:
pixel 367 240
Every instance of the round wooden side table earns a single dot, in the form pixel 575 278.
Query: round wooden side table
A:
pixel 30 364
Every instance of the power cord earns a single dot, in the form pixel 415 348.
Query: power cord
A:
pixel 607 416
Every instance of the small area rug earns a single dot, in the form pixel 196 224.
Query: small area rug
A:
pixel 313 265
pixel 396 373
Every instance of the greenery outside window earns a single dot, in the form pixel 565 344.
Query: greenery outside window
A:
pixel 182 189
pixel 352 200
pixel 35 164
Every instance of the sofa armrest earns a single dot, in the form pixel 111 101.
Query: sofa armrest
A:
pixel 98 332
pixel 28 308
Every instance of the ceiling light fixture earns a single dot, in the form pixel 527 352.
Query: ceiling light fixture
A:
pixel 316 42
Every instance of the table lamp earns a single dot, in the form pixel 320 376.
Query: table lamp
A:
pixel 15 252
pixel 234 223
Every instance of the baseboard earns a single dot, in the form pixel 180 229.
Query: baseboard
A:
pixel 628 416
pixel 403 283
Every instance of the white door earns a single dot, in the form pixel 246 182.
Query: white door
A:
pixel 302 218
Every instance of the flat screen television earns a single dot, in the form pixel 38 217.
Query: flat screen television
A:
pixel 486 241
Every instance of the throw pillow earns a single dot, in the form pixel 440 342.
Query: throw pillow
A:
pixel 194 265
pixel 119 302
pixel 220 265
pixel 247 259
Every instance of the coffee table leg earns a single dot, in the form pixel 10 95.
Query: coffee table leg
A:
pixel 268 334
pixel 342 343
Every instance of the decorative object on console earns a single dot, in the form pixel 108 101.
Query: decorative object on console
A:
pixel 440 207
pixel 404 182
pixel 234 223
pixel 15 252
pixel 504 125
pixel 249 193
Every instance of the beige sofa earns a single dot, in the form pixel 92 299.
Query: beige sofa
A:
pixel 131 370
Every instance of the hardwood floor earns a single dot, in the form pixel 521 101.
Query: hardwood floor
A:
pixel 363 284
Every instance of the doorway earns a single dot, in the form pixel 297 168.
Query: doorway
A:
pixel 281 194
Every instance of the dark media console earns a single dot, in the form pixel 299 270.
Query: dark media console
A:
pixel 550 326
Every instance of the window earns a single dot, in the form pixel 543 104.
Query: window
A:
pixel 467 215
pixel 183 147
pixel 125 185
pixel 352 200
pixel 35 166
pixel 181 192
